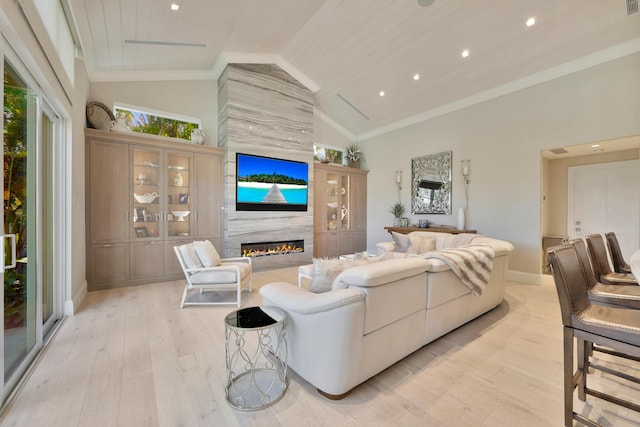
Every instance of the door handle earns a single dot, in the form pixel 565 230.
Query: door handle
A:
pixel 11 237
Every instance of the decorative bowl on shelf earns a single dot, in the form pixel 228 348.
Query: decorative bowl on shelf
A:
pixel 180 214
pixel 145 198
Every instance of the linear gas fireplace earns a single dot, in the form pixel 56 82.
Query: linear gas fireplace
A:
pixel 271 248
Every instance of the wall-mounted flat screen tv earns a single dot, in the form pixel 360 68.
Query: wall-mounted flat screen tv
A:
pixel 269 184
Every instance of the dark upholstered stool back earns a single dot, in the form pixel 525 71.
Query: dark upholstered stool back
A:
pixel 619 264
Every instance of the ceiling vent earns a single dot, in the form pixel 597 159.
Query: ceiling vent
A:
pixel 163 43
pixel 632 7
pixel 346 101
pixel 559 151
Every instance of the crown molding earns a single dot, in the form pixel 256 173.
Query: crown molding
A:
pixel 144 75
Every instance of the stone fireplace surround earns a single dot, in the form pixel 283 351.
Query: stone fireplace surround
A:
pixel 264 111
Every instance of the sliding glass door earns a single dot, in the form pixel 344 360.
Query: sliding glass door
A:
pixel 20 281
pixel 31 301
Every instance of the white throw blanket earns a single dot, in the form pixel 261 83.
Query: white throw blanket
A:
pixel 472 264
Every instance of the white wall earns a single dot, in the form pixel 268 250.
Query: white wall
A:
pixel 503 138
pixel 77 286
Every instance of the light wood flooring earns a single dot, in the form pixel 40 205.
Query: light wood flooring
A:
pixel 131 357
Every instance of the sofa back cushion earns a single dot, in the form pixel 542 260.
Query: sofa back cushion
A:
pixel 381 273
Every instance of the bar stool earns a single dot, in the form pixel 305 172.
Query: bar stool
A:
pixel 634 262
pixel 615 328
pixel 599 293
pixel 601 266
pixel 619 264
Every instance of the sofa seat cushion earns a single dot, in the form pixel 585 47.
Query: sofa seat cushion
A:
pixel 221 276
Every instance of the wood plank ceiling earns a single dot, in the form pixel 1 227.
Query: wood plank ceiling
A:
pixel 349 51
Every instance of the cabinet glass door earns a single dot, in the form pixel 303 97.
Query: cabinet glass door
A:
pixel 333 200
pixel 178 195
pixel 147 194
pixel 344 213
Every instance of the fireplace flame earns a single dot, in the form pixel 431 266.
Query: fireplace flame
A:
pixel 278 250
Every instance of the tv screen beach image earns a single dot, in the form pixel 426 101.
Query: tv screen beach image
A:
pixel 264 180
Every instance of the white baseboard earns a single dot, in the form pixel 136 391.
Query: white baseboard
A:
pixel 71 305
pixel 522 277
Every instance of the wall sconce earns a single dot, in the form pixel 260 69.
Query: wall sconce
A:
pixel 465 170
pixel 465 174
pixel 399 183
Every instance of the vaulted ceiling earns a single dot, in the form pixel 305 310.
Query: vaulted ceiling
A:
pixel 348 51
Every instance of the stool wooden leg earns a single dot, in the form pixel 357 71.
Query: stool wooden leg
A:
pixel 585 349
pixel 568 376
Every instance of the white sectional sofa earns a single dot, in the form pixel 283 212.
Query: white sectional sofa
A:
pixel 379 312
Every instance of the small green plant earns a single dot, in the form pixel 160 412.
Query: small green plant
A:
pixel 353 154
pixel 397 209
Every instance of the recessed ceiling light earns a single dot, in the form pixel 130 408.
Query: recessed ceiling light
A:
pixel 416 76
pixel 175 6
pixel 595 146
pixel 381 93
pixel 531 22
pixel 465 53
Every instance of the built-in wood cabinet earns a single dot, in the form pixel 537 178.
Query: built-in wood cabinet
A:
pixel 339 210
pixel 145 195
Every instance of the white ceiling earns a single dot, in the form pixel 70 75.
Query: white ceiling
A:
pixel 348 51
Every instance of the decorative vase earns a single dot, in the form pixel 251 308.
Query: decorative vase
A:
pixel 396 222
pixel 197 136
pixel 177 180
pixel 462 217
pixel 354 164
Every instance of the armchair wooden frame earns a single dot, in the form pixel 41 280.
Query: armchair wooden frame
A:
pixel 231 265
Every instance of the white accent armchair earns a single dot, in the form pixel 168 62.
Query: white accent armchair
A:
pixel 206 271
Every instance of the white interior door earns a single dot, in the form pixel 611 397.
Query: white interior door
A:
pixel 605 197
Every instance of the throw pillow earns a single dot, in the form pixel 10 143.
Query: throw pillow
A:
pixel 401 240
pixel 325 271
pixel 189 256
pixel 421 244
pixel 207 253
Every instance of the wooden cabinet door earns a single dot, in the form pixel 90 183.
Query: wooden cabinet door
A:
pixel 358 202
pixel 144 260
pixel 108 263
pixel 209 197
pixel 108 192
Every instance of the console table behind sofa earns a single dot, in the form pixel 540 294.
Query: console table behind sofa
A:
pixel 407 230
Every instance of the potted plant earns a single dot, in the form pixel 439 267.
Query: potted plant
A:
pixel 397 210
pixel 353 156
